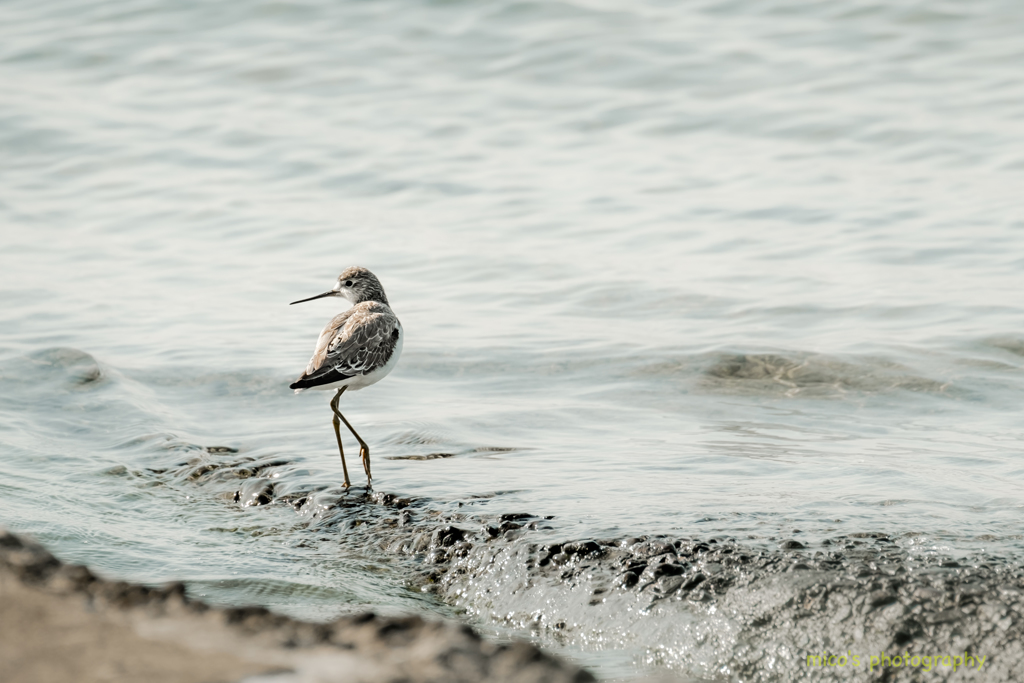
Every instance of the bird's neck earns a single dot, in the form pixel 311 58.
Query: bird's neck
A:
pixel 377 296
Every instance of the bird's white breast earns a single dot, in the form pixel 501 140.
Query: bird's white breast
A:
pixel 362 381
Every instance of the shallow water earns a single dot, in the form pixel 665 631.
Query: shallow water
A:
pixel 743 269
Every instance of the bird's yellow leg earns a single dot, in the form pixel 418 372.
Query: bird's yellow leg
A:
pixel 364 450
pixel 337 433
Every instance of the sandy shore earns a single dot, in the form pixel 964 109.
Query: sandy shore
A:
pixel 61 623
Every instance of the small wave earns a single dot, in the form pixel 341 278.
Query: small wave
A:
pixel 1014 345
pixel 72 368
pixel 812 375
pixel 429 439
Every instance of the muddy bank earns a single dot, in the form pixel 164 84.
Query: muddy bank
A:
pixel 60 622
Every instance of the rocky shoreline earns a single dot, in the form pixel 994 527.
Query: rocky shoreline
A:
pixel 60 622
pixel 727 610
pixel 707 608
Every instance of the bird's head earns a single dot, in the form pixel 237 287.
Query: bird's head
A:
pixel 357 284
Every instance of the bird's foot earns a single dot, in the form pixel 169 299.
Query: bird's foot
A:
pixel 364 454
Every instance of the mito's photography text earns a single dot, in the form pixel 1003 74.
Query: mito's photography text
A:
pixel 895 661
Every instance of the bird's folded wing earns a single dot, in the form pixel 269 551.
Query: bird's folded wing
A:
pixel 353 343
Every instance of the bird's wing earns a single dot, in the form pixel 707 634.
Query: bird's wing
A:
pixel 353 343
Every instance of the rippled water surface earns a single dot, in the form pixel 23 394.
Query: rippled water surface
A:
pixel 743 268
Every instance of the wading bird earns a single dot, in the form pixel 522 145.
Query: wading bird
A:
pixel 357 348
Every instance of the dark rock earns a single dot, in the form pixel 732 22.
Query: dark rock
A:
pixel 446 536
pixel 693 581
pixel 945 616
pixel 668 585
pixel 582 549
pixel 907 631
pixel 667 558
pixel 652 548
pixel 436 556
pixel 254 492
pixel 656 571
pixel 627 580
pixel 460 549
pixel 881 598
pixel 514 517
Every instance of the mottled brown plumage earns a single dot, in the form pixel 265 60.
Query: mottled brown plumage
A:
pixel 357 348
pixel 356 342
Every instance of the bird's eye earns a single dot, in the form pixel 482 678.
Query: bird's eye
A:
pixel 348 283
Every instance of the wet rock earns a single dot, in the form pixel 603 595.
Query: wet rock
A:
pixel 436 556
pixel 460 549
pixel 582 549
pixel 693 581
pixel 712 568
pixel 420 543
pixel 791 545
pixel 633 565
pixel 447 536
pixel 390 500
pixel 906 632
pixel 515 517
pixel 669 584
pixel 656 571
pixel 652 548
pixel 255 492
pixel 881 598
pixel 627 580
pixel 946 616
pixel 666 558
pixel 547 554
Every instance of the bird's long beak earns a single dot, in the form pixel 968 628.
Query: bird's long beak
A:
pixel 318 296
